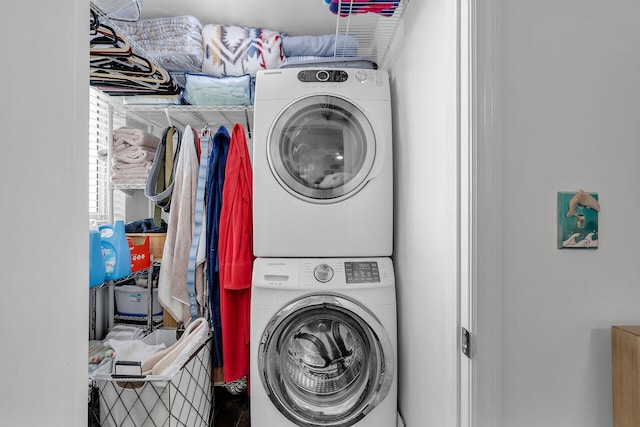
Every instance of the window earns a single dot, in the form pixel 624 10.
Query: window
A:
pixel 102 121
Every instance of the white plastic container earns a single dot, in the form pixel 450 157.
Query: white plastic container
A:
pixel 132 300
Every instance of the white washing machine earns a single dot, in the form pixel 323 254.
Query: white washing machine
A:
pixel 323 342
pixel 322 163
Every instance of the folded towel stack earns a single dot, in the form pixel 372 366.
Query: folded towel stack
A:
pixel 133 153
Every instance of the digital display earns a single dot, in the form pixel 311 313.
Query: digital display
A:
pixel 362 272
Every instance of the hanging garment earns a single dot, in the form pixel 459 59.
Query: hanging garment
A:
pixel 215 182
pixel 348 7
pixel 159 184
pixel 197 252
pixel 172 281
pixel 235 254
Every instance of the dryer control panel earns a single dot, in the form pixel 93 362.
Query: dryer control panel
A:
pixel 321 76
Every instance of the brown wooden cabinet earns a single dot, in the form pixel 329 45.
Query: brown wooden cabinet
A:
pixel 625 357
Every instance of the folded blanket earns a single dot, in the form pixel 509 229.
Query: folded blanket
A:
pixel 324 45
pixel 98 351
pixel 234 50
pixel 208 90
pixel 125 332
pixel 175 43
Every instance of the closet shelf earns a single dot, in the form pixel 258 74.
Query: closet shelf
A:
pixel 194 115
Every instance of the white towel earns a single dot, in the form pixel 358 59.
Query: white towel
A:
pixel 172 282
pixel 171 360
pixel 131 136
pixel 133 350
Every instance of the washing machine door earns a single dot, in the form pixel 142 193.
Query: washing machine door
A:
pixel 325 361
pixel 321 148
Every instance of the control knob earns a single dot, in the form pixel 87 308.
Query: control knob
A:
pixel 323 273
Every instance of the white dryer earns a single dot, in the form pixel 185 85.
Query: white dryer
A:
pixel 322 163
pixel 323 342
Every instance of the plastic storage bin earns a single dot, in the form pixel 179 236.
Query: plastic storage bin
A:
pixel 132 300
pixel 184 399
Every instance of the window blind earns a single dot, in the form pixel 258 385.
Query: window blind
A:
pixel 103 203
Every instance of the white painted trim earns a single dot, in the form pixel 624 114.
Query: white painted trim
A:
pixel 465 32
pixel 487 212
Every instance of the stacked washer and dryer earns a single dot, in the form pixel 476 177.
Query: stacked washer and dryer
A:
pixel 323 306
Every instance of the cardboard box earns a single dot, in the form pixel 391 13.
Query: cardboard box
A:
pixel 156 242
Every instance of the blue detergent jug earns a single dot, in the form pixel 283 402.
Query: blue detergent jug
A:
pixel 117 257
pixel 97 272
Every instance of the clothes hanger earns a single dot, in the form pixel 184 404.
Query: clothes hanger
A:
pixel 114 68
pixel 132 64
pixel 108 42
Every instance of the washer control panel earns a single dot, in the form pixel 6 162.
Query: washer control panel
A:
pixel 323 273
pixel 323 76
pixel 362 272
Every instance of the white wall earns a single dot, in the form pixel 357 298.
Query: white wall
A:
pixel 424 93
pixel 294 17
pixel 571 109
pixel 43 219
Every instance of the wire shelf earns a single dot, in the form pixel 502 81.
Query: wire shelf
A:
pixel 374 31
pixel 193 115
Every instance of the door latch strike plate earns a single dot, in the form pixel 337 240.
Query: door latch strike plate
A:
pixel 465 346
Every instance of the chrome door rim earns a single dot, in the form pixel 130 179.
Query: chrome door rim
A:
pixel 296 404
pixel 319 195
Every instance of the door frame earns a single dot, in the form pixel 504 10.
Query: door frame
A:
pixel 480 210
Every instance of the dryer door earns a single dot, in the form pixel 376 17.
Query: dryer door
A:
pixel 321 148
pixel 325 361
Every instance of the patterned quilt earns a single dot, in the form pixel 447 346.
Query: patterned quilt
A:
pixel 233 50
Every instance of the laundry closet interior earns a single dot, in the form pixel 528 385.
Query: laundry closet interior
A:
pixel 248 166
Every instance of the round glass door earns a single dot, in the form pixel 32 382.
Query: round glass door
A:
pixel 321 148
pixel 325 361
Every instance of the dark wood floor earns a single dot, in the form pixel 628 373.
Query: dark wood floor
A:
pixel 231 410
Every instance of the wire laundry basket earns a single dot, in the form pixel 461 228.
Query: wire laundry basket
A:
pixel 182 400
